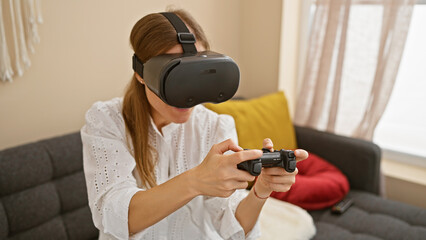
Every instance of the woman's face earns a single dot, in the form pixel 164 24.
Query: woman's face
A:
pixel 162 113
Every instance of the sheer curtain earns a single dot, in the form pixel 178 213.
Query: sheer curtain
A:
pixel 354 51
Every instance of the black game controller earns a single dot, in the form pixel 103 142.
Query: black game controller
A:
pixel 282 158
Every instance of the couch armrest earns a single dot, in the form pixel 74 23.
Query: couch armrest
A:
pixel 359 160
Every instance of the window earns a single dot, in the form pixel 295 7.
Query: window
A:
pixel 402 129
pixel 401 132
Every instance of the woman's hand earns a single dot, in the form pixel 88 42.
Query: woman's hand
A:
pixel 276 178
pixel 218 175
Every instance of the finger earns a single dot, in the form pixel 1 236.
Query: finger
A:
pixel 241 175
pixel 233 185
pixel 241 185
pixel 286 179
pixel 280 187
pixel 278 171
pixel 300 154
pixel 242 156
pixel 225 194
pixel 225 146
pixel 235 148
pixel 267 143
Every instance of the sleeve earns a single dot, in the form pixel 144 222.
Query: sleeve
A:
pixel 108 167
pixel 223 210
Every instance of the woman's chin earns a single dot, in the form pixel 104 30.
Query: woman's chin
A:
pixel 182 114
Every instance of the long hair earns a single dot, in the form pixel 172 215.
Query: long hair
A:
pixel 151 36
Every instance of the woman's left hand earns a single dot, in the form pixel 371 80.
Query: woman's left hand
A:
pixel 276 178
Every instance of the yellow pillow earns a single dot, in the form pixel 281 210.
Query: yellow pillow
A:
pixel 260 118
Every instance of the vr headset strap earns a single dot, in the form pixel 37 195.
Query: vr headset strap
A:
pixel 137 65
pixel 185 37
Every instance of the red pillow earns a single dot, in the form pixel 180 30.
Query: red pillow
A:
pixel 318 185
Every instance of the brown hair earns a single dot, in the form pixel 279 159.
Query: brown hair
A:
pixel 151 36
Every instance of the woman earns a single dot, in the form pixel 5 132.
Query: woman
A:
pixel 154 171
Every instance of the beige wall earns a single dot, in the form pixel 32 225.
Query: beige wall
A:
pixel 84 56
pixel 260 43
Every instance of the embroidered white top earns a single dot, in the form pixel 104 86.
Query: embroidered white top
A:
pixel 112 178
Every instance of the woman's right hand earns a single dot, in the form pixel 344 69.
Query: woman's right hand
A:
pixel 218 175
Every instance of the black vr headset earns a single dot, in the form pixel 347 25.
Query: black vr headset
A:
pixel 187 79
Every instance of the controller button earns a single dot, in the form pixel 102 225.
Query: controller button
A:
pixel 292 165
pixel 257 168
pixel 291 154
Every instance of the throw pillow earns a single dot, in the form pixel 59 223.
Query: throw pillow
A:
pixel 318 185
pixel 260 118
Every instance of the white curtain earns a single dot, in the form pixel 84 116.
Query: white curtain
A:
pixel 18 34
pixel 354 51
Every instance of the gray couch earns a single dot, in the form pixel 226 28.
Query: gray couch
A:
pixel 371 216
pixel 43 192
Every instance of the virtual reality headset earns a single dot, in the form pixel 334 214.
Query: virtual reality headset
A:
pixel 190 78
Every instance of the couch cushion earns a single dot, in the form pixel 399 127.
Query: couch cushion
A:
pixel 79 224
pixel 43 192
pixel 31 207
pixel 52 229
pixel 260 118
pixel 372 217
pixel 331 231
pixel 72 191
pixel 4 229
pixel 23 167
pixel 66 154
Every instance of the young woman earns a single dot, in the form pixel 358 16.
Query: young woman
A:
pixel 154 171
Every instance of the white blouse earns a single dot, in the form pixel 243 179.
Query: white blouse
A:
pixel 112 178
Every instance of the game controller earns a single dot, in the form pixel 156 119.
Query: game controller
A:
pixel 282 158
